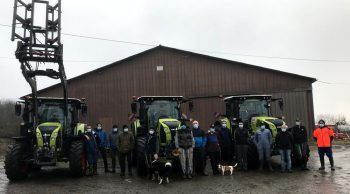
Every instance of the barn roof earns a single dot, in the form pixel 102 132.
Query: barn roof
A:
pixel 82 76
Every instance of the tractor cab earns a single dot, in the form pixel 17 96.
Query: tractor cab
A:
pixel 253 110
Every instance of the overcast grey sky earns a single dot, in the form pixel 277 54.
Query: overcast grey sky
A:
pixel 312 29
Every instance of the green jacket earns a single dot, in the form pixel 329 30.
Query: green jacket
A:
pixel 126 142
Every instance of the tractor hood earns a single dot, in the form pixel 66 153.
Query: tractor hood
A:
pixel 172 124
pixel 271 122
pixel 46 134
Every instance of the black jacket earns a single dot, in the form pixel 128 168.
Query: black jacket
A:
pixel 225 138
pixel 241 136
pixel 284 140
pixel 299 134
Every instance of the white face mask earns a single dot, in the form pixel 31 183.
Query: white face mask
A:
pixel 212 130
pixel 195 126
pixel 322 125
pixel 240 126
pixel 263 127
pixel 224 125
pixel 88 130
pixel 297 123
pixel 151 132
pixel 126 130
pixel 99 128
pixel 284 129
pixel 115 129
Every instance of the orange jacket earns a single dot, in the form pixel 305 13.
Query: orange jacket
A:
pixel 323 136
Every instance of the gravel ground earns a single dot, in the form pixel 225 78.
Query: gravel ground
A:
pixel 57 180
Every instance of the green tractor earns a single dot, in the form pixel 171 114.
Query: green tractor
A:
pixel 163 114
pixel 253 110
pixel 47 137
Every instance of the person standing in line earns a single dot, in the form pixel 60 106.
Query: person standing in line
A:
pixel 184 141
pixel 199 149
pixel 113 139
pixel 151 149
pixel 263 141
pixel 225 141
pixel 213 149
pixel 299 133
pixel 324 137
pixel 241 136
pixel 284 143
pixel 91 149
pixel 103 144
pixel 126 143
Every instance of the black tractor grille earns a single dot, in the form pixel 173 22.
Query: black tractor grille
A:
pixel 47 129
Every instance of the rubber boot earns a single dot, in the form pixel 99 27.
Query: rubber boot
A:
pixel 322 163
pixel 94 170
pixel 261 167
pixel 90 171
pixel 270 165
pixel 332 163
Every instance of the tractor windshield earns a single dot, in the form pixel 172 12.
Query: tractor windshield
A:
pixel 53 112
pixel 252 107
pixel 161 109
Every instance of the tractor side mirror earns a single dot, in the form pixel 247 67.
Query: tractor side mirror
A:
pixel 190 106
pixel 134 107
pixel 83 110
pixel 18 109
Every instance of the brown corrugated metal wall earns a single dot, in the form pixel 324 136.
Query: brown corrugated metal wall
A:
pixel 108 90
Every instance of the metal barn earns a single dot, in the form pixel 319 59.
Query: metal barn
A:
pixel 168 71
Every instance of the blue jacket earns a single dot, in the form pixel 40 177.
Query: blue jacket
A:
pixel 200 138
pixel 102 135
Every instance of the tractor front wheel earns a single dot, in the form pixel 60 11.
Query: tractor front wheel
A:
pixel 16 168
pixel 77 159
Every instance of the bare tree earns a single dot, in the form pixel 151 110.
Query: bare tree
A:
pixel 332 119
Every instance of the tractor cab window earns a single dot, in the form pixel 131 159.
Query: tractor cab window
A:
pixel 251 108
pixel 161 109
pixel 53 112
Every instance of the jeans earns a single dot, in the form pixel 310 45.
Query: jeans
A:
pixel 285 159
pixel 186 159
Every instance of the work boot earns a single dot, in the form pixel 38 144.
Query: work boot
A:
pixel 94 169
pixel 322 163
pixel 204 173
pixel 261 167
pixel 331 160
pixel 189 175
pixel 184 176
pixel 270 165
pixel 90 171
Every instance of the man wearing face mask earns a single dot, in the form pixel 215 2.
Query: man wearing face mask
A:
pixel 184 141
pixel 263 141
pixel 225 141
pixel 126 142
pixel 103 144
pixel 284 143
pixel 213 149
pixel 300 143
pixel 151 148
pixel 91 148
pixel 242 140
pixel 199 149
pixel 113 139
pixel 324 137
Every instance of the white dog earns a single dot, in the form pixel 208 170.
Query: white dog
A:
pixel 224 169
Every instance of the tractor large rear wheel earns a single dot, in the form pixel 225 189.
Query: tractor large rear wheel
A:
pixel 252 156
pixel 16 168
pixel 141 157
pixel 77 159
